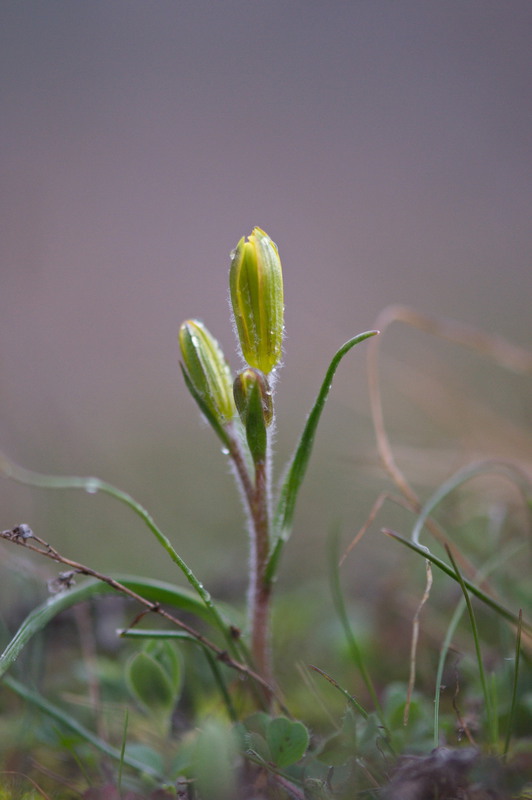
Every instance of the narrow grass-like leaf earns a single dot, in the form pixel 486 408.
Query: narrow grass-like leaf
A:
pixel 487 696
pixel 72 724
pixel 154 590
pixel 349 697
pixel 486 599
pixel 122 751
pixel 489 567
pixel 297 467
pixel 514 687
pixel 354 648
pixel 151 633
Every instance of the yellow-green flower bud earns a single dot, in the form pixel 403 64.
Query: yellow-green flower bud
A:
pixel 244 384
pixel 208 374
pixel 256 286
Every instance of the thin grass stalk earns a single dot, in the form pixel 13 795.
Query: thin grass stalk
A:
pixel 474 629
pixel 485 598
pixel 484 572
pixel 453 624
pixel 122 752
pixel 351 699
pixel 514 687
pixel 339 604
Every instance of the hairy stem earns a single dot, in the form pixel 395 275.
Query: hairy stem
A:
pixel 260 587
pixel 256 495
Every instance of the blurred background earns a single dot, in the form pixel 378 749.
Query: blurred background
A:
pixel 385 147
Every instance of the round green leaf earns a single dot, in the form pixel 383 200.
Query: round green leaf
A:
pixel 149 683
pixel 287 740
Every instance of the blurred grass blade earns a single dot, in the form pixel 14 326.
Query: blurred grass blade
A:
pixel 488 699
pixel 156 591
pixel 514 687
pixel 486 599
pixel 351 699
pixel 297 467
pixel 354 648
pixel 515 475
pixel 70 722
pixel 489 567
pixel 122 752
pixel 95 485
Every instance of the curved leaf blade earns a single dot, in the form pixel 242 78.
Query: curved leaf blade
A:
pixel 298 465
pixel 157 591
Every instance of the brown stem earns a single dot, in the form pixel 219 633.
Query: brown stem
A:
pixel 260 588
pixel 256 494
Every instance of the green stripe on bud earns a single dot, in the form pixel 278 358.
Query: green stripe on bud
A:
pixel 256 286
pixel 253 400
pixel 207 373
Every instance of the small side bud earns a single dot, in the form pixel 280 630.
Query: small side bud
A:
pixel 254 404
pixel 206 371
pixel 256 287
pixel 244 383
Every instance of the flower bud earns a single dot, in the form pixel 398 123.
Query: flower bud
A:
pixel 254 404
pixel 256 286
pixel 244 384
pixel 206 371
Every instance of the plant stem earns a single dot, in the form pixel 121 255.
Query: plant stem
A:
pixel 256 494
pixel 260 587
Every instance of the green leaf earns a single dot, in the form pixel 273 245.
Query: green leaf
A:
pixel 149 683
pixel 298 465
pixel 258 722
pixel 169 658
pixel 147 755
pixel 288 741
pixel 256 743
pixel 341 746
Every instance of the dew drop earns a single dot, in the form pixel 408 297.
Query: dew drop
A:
pixel 92 486
pixel 225 451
